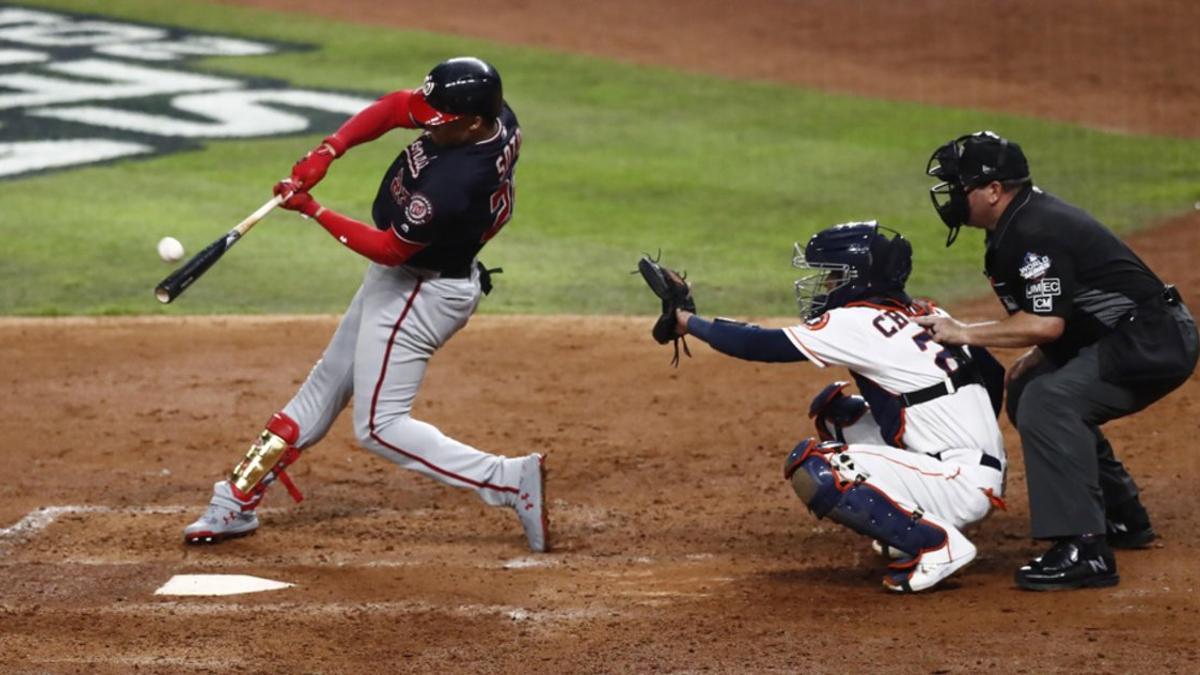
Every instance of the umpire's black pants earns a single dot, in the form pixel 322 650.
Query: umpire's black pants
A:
pixel 1070 469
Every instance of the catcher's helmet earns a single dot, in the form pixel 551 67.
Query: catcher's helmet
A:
pixel 457 87
pixel 967 162
pixel 849 261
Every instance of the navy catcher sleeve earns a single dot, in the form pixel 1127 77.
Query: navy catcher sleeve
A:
pixel 745 341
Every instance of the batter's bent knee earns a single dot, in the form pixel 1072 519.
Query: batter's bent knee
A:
pixel 363 432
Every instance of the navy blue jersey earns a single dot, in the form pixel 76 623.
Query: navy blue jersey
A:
pixel 452 199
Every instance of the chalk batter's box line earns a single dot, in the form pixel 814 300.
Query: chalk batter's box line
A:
pixel 39 519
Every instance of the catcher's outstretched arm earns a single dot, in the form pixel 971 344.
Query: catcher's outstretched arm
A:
pixel 744 341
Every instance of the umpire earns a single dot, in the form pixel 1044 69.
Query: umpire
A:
pixel 1108 338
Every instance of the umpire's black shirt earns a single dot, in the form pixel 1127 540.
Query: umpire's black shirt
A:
pixel 1049 258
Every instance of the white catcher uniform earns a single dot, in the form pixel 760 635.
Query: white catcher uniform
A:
pixel 929 459
pixel 944 456
pixel 925 462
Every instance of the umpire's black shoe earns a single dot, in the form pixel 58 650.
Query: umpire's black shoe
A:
pixel 1077 562
pixel 1128 526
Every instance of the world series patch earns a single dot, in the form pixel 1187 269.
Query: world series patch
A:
pixel 1034 266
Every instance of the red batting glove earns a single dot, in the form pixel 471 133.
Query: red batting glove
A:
pixel 299 201
pixel 311 168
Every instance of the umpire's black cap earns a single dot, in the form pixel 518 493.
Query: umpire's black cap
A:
pixel 977 159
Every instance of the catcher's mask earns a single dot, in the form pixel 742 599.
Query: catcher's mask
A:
pixel 847 262
pixel 456 88
pixel 968 162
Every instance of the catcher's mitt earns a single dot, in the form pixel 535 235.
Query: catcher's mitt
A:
pixel 672 288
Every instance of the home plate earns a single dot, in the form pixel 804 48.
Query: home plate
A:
pixel 218 584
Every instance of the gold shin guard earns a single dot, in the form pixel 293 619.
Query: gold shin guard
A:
pixel 259 461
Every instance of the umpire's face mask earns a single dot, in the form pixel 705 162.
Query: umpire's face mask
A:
pixel 950 201
pixel 950 195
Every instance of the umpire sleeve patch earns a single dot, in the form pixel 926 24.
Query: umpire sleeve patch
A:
pixel 1041 293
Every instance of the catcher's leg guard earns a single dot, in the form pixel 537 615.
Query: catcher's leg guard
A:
pixel 832 411
pixel 266 460
pixel 812 476
pixel 825 479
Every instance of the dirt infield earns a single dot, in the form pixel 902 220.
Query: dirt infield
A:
pixel 680 548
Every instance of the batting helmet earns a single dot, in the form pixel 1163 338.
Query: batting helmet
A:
pixel 967 162
pixel 457 87
pixel 848 262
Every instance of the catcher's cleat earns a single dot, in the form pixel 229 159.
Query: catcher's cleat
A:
pixel 531 503
pixel 928 568
pixel 226 517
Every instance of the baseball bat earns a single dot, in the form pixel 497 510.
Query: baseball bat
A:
pixel 178 281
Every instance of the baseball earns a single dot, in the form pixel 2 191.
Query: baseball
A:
pixel 169 249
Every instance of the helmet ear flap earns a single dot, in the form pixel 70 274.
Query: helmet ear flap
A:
pixel 899 260
pixel 894 263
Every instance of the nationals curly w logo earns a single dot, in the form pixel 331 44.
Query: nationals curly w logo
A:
pixel 80 89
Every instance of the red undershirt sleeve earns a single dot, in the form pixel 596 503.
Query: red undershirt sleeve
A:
pixel 387 113
pixel 381 246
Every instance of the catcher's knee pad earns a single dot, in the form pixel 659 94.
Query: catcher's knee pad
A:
pixel 827 481
pixel 832 410
pixel 811 475
pixel 267 458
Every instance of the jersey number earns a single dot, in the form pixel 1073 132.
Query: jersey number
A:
pixel 502 208
pixel 890 322
pixel 944 358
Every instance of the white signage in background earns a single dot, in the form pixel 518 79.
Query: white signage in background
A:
pixel 76 90
pixel 234 114
pixel 99 80
pixel 30 156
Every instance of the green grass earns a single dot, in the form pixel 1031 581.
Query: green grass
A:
pixel 721 175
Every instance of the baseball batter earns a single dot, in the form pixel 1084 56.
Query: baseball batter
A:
pixel 928 459
pixel 442 199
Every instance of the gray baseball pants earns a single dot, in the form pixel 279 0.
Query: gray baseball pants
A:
pixel 377 357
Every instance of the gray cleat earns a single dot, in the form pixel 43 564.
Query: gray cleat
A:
pixel 531 503
pixel 223 519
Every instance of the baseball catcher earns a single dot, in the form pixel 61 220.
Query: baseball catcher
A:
pixel 672 288
pixel 918 455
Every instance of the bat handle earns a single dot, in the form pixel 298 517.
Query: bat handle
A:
pixel 242 227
